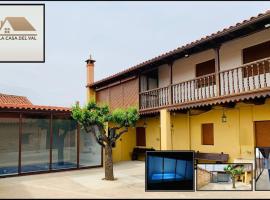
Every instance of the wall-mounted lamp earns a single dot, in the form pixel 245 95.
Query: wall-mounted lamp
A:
pixel 144 124
pixel 186 55
pixel 223 117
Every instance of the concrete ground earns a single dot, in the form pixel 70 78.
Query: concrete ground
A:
pixel 263 183
pixel 88 184
pixel 226 186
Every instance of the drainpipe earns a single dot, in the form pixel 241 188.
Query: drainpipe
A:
pixel 189 128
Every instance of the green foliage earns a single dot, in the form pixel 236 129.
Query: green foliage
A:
pixel 230 169
pixel 125 117
pixel 93 114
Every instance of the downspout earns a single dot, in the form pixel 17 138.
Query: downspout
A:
pixel 189 129
pixel 239 129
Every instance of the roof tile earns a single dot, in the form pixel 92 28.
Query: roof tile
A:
pixel 13 99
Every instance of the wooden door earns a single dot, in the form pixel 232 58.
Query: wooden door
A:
pixel 262 133
pixel 140 136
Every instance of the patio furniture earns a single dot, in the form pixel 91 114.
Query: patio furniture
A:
pixel 216 157
pixel 140 151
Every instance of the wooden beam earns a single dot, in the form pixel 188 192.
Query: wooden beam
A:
pixel 198 111
pixel 217 68
pixel 256 101
pixel 229 105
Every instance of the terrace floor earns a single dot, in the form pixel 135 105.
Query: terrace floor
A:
pixel 226 186
pixel 263 183
pixel 88 184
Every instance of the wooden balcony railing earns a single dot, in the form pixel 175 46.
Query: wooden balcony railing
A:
pixel 246 78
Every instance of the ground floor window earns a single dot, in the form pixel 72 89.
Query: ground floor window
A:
pixel 36 142
pixel 208 134
pixel 34 152
pixel 9 140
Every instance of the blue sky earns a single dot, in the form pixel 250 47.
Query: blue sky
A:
pixel 118 35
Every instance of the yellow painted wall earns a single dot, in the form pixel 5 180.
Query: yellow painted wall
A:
pixel 180 132
pixel 124 145
pixel 235 137
pixel 152 131
pixel 91 94
pixel 226 135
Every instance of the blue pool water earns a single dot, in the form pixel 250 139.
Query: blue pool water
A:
pixel 36 167
pixel 166 176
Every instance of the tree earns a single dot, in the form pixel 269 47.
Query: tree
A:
pixel 93 118
pixel 233 172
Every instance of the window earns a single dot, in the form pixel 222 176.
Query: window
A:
pixel 254 53
pixel 208 134
pixel 205 68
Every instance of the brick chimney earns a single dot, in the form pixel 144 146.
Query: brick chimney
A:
pixel 90 64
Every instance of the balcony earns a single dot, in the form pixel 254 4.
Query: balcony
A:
pixel 249 78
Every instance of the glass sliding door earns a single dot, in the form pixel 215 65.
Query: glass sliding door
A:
pixel 9 143
pixel 35 143
pixel 90 150
pixel 64 146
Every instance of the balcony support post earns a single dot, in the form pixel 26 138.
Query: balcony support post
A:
pixel 217 69
pixel 165 130
pixel 171 82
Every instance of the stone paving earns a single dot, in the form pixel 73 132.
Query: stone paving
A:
pixel 226 186
pixel 263 183
pixel 88 183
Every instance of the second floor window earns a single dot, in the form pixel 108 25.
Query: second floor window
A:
pixel 203 69
pixel 253 53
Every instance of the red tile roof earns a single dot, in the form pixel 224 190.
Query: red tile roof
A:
pixel 22 103
pixel 34 107
pixel 235 27
pixel 13 99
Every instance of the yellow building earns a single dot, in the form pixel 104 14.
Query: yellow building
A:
pixel 209 96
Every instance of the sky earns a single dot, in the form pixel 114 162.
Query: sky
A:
pixel 118 35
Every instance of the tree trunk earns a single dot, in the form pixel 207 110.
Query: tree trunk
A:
pixel 233 182
pixel 108 163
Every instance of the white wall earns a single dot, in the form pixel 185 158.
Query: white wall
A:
pixel 164 75
pixel 185 68
pixel 231 52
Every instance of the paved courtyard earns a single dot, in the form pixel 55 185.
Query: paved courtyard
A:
pixel 88 184
pixel 263 183
pixel 226 186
